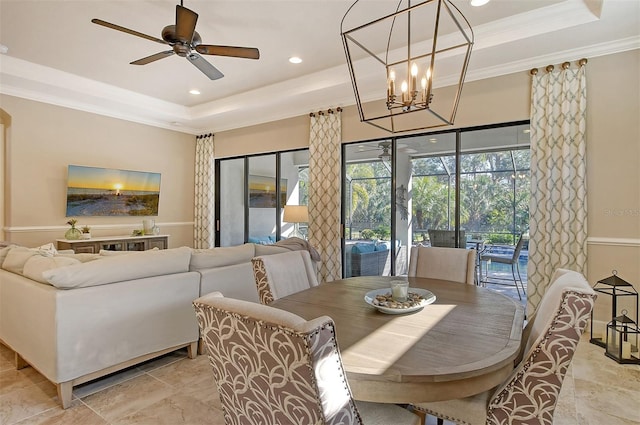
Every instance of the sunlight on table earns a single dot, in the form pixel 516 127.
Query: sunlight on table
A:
pixel 380 349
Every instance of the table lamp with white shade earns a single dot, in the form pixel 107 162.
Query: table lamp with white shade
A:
pixel 296 214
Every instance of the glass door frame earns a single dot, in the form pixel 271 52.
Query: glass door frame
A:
pixel 394 145
pixel 245 210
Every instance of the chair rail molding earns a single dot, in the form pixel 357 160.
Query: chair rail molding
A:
pixel 633 242
pixel 29 229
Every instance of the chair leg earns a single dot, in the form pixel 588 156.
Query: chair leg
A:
pixel 515 280
pixel 524 291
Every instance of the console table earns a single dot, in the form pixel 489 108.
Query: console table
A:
pixel 115 243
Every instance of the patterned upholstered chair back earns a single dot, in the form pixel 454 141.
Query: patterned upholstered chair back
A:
pixel 530 394
pixel 455 264
pixel 273 367
pixel 279 275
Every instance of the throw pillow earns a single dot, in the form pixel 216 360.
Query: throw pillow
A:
pixel 36 265
pixel 47 250
pixel 4 251
pixel 15 259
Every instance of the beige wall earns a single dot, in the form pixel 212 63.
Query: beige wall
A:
pixel 42 140
pixel 613 149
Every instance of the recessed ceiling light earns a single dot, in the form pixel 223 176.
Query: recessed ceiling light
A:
pixel 194 91
pixel 479 2
pixel 295 59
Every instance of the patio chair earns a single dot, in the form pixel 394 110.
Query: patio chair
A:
pixel 530 394
pixel 444 238
pixel 455 264
pixel 273 367
pixel 511 259
pixel 279 275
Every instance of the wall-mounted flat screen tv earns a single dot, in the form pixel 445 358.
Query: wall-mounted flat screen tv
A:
pixel 93 191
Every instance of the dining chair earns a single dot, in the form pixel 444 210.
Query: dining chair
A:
pixel 454 264
pixel 511 259
pixel 444 238
pixel 283 274
pixel 530 394
pixel 274 367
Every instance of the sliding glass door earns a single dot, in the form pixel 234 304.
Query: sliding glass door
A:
pixel 450 189
pixel 252 192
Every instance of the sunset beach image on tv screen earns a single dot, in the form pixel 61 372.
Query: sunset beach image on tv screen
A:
pixel 93 191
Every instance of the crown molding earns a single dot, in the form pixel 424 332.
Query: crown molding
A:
pixel 294 97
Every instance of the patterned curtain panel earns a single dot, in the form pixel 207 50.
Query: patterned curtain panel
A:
pixel 558 208
pixel 324 192
pixel 203 232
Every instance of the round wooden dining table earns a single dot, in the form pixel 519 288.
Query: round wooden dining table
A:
pixel 462 344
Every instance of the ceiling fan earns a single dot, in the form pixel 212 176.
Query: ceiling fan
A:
pixel 186 42
pixel 385 151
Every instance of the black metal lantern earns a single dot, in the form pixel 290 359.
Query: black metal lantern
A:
pixel 621 292
pixel 622 340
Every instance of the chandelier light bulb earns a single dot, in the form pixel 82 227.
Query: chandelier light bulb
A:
pixel 424 83
pixel 391 85
pixel 414 77
pixel 405 92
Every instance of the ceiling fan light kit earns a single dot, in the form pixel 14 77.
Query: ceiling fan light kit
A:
pixel 186 42
pixel 409 49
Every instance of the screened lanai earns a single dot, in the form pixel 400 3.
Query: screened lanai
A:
pixel 489 207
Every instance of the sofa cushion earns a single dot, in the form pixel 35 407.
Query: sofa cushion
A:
pixel 37 264
pixel 81 257
pixel 223 256
pixel 135 265
pixel 16 258
pixel 107 252
pixel 382 246
pixel 270 249
pixel 363 247
pixel 5 251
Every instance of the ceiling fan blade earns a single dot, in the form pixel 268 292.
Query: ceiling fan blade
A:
pixel 185 24
pixel 152 58
pixel 127 30
pixel 236 52
pixel 209 70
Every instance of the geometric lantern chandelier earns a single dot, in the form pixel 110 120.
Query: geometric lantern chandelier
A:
pixel 398 53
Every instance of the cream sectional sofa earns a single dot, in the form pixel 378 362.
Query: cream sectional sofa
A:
pixel 77 317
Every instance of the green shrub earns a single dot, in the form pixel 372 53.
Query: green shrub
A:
pixel 367 234
pixel 501 238
pixel 383 232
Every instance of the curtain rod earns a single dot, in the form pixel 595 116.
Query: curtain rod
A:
pixel 565 65
pixel 202 136
pixel 330 111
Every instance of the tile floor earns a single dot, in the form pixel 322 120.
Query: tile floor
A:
pixel 175 390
